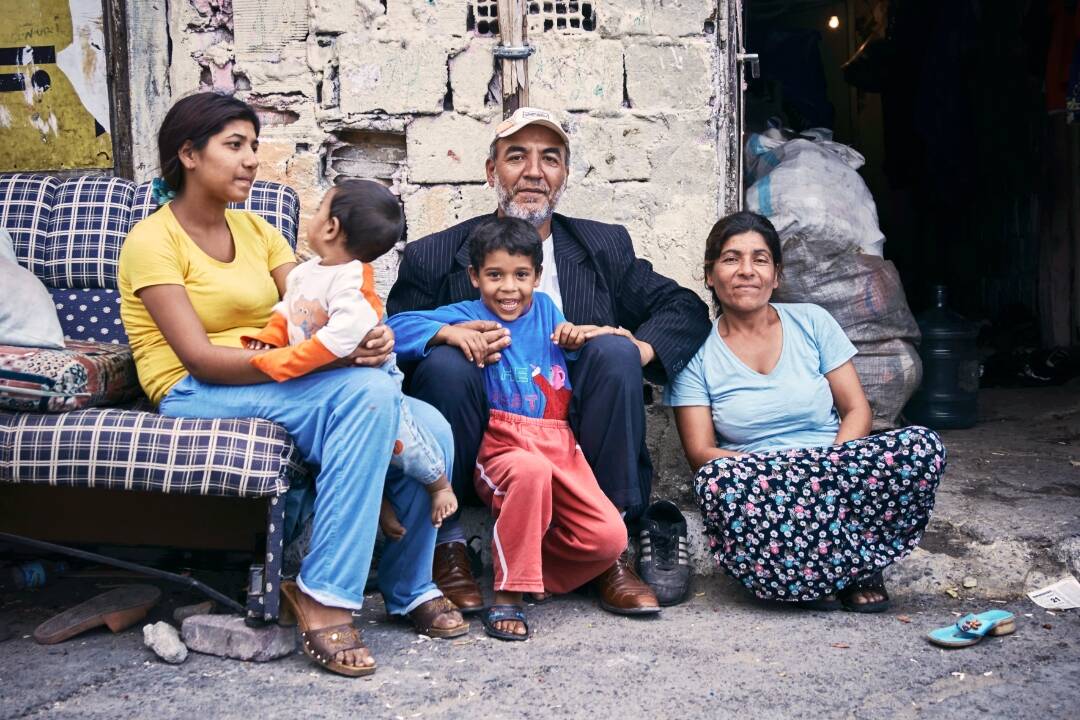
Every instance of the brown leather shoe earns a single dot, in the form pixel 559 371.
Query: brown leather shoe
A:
pixel 623 592
pixel 452 574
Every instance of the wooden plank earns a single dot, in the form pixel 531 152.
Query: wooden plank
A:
pixel 116 58
pixel 514 32
pixel 150 95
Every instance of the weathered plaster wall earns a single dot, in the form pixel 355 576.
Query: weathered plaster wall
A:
pixel 399 89
pixel 405 91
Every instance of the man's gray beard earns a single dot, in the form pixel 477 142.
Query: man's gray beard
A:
pixel 537 217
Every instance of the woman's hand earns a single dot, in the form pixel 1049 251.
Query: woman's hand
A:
pixel 372 351
pixel 472 343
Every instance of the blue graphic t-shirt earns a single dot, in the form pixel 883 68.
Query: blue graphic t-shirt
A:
pixel 531 379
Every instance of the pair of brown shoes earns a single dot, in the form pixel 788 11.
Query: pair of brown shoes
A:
pixel 620 589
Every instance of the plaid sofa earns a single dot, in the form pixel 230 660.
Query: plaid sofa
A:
pixel 69 233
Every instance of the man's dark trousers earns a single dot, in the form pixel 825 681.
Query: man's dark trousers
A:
pixel 607 414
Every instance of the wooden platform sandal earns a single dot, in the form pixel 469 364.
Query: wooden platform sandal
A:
pixel 324 644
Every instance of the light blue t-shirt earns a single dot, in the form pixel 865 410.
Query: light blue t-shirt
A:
pixel 791 407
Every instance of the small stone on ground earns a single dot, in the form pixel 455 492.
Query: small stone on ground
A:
pixel 164 640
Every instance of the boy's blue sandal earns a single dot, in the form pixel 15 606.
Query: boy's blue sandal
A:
pixel 970 629
pixel 498 613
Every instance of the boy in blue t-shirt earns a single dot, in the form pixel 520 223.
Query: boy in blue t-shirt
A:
pixel 554 528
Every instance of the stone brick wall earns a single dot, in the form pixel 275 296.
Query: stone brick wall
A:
pixel 406 91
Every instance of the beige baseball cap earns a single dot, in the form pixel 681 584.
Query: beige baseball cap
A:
pixel 529 116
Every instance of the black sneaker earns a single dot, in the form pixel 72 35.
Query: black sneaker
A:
pixel 663 555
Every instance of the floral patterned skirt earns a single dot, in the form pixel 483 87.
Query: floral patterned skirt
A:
pixel 800 524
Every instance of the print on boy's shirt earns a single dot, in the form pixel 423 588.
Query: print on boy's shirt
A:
pixel 308 315
pixel 556 392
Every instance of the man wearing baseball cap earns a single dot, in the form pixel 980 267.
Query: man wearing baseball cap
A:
pixel 592 274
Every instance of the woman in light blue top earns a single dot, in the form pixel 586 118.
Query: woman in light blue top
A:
pixel 800 502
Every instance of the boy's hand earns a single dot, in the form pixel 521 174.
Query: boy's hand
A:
pixel 472 343
pixel 253 344
pixel 569 336
pixel 645 350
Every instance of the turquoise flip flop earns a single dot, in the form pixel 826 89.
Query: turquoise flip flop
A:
pixel 970 629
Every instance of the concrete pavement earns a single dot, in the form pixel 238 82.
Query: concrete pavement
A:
pixel 1008 515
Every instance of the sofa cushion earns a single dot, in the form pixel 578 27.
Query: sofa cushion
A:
pixel 278 204
pixel 89 223
pixel 134 450
pixel 83 374
pixel 89 314
pixel 27 317
pixel 26 206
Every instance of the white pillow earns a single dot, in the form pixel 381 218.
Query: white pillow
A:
pixel 27 313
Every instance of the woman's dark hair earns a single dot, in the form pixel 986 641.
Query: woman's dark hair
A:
pixel 516 237
pixel 196 118
pixel 738 224
pixel 370 216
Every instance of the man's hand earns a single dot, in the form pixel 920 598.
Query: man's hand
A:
pixel 472 343
pixel 497 337
pixel 645 350
pixel 372 351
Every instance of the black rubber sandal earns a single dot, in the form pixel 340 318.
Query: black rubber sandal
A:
pixel 498 613
pixel 823 604
pixel 875 583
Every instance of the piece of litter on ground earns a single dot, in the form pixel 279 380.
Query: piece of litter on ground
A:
pixel 970 582
pixel 840 645
pixel 956 614
pixel 1028 615
pixel 903 618
pixel 1062 595
pixel 1051 613
pixel 1075 463
pixel 951 592
pixel 959 675
pixel 999 602
pixel 914 660
pixel 988 673
pixel 698 594
pixel 1047 626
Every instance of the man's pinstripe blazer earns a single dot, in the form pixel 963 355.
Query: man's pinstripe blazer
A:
pixel 601 280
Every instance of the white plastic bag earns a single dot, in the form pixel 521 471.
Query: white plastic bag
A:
pixel 812 187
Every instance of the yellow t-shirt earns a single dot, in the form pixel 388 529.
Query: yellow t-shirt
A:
pixel 231 299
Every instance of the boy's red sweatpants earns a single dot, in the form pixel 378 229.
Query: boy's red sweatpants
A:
pixel 554 528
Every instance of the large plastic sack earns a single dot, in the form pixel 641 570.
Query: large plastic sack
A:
pixel 890 371
pixel 811 185
pixel 865 295
pixel 863 292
